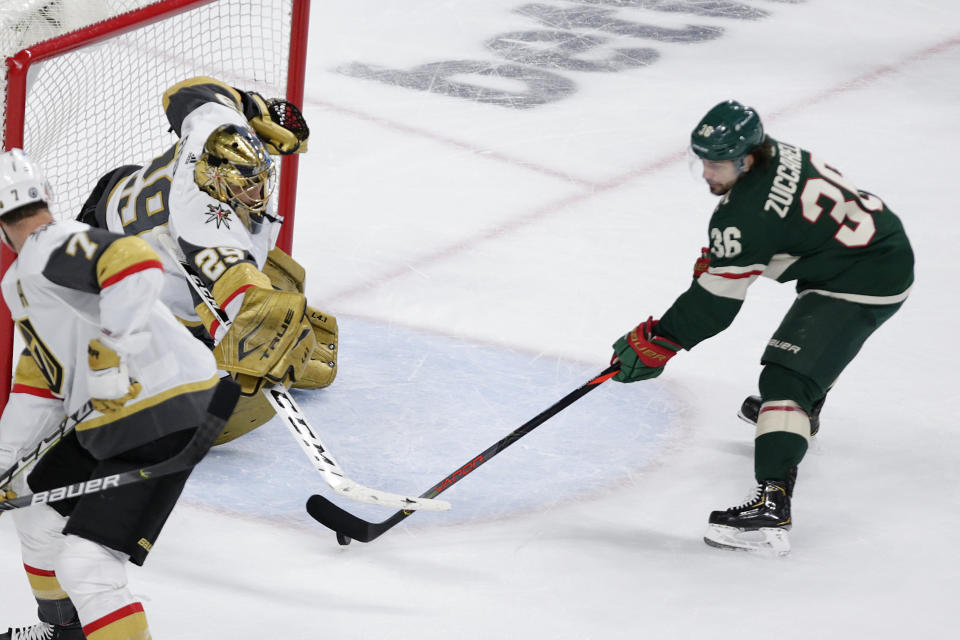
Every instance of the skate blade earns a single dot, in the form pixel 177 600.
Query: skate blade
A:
pixel 770 542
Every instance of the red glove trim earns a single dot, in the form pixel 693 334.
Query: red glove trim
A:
pixel 650 353
pixel 702 263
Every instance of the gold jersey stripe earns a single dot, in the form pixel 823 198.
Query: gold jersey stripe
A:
pixel 133 407
pixel 45 586
pixel 123 257
pixel 126 623
pixel 198 80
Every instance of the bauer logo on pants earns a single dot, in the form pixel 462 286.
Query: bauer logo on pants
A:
pixel 786 346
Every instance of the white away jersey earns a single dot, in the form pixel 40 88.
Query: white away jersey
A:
pixel 72 283
pixel 162 197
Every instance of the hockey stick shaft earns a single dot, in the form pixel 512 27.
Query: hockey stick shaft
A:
pixel 68 424
pixel 296 421
pixel 346 524
pixel 224 398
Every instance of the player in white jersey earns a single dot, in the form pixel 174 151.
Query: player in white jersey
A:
pixel 211 192
pixel 86 303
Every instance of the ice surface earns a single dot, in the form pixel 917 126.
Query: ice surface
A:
pixel 481 258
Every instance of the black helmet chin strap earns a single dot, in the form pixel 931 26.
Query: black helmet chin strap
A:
pixel 6 239
pixel 740 164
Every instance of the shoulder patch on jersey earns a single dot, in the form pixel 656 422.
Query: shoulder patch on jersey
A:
pixel 29 378
pixel 48 367
pixel 219 215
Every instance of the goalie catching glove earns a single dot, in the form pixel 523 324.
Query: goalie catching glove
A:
pixel 108 381
pixel 278 123
pixel 270 342
pixel 641 354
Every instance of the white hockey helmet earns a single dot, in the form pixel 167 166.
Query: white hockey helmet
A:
pixel 21 182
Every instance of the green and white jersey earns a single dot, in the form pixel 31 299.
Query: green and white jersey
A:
pixel 796 219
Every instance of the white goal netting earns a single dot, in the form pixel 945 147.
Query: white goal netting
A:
pixel 98 106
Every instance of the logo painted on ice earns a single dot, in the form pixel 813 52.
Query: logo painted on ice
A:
pixel 574 36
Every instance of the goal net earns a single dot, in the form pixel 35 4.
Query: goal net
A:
pixel 84 79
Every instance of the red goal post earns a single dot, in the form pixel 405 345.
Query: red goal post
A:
pixel 83 84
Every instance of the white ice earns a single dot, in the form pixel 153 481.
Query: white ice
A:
pixel 481 259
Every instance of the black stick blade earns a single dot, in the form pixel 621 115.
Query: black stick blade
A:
pixel 340 521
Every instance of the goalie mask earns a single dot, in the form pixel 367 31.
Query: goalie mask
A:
pixel 236 169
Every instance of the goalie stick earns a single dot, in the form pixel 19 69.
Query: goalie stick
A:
pixel 289 411
pixel 221 406
pixel 348 526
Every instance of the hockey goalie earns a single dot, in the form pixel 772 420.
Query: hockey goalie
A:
pixel 211 193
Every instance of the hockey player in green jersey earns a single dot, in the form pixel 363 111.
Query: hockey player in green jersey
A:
pixel 787 215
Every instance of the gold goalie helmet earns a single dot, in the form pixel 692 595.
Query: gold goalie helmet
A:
pixel 236 169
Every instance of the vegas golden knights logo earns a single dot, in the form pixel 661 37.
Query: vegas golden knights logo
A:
pixel 48 364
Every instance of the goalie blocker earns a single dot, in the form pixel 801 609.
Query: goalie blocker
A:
pixel 309 363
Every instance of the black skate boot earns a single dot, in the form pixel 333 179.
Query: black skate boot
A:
pixel 760 524
pixel 44 631
pixel 750 410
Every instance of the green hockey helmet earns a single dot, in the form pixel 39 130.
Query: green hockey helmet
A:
pixel 727 132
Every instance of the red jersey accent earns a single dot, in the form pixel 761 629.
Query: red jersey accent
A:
pixel 40 392
pixel 119 614
pixel 140 266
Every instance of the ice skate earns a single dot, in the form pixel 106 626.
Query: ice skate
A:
pixel 44 631
pixel 39 631
pixel 759 525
